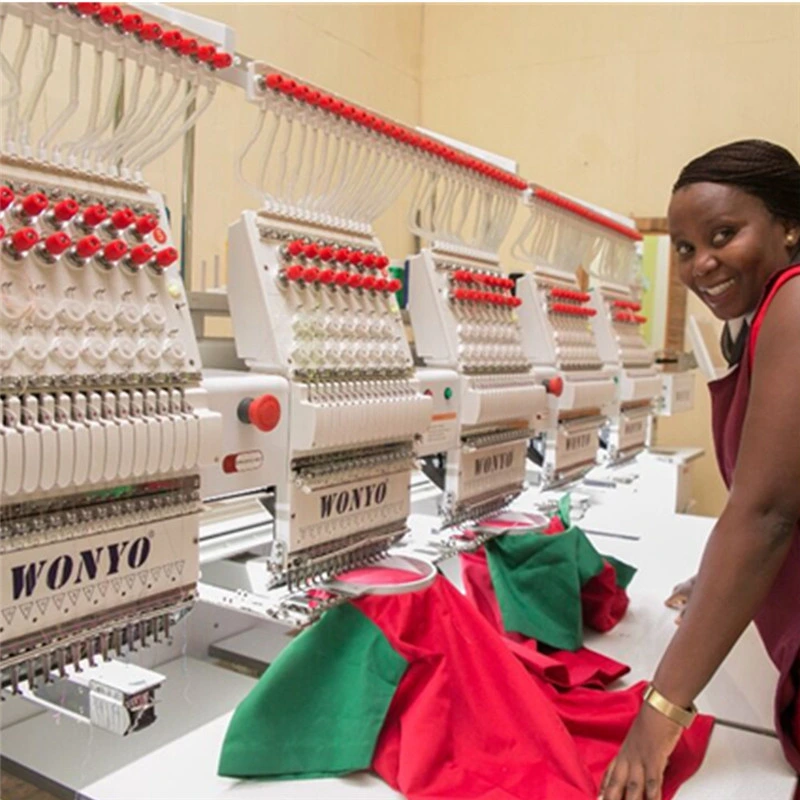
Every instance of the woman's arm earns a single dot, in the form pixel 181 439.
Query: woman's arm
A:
pixel 743 555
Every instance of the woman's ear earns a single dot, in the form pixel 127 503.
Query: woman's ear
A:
pixel 792 236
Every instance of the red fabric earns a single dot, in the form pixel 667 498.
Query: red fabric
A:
pixel 604 603
pixel 468 722
pixel 562 668
pixel 778 619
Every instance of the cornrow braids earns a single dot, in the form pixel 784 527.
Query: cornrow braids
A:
pixel 763 169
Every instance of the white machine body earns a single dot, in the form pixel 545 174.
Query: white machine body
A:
pixel 560 342
pixel 617 327
pixel 104 429
pixel 314 307
pixel 465 320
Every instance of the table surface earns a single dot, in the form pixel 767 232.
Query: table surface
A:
pixel 176 758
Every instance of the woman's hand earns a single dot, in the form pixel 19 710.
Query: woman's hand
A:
pixel 680 597
pixel 637 773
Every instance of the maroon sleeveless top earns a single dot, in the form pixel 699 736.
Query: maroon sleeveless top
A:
pixel 778 619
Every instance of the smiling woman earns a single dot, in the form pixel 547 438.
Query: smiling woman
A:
pixel 734 221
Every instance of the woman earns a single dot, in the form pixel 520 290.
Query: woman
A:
pixel 734 221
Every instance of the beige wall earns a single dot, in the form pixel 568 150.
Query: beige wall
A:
pixel 607 102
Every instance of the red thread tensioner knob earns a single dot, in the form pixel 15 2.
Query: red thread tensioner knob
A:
pixel 310 274
pixel 94 215
pixel 172 40
pixel 65 210
pixel 57 243
pixel 110 15
pixel 294 273
pixel 354 280
pixel 205 53
pixel 87 247
pixel 166 257
pixel 131 23
pixel 140 255
pixel 122 218
pixel 24 239
pixel 6 197
pixel 188 47
pixel 310 250
pixel 295 248
pixel 114 251
pixel 146 224
pixel 150 32
pixel 221 60
pixel 33 205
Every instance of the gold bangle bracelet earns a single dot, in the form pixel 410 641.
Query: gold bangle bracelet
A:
pixel 683 716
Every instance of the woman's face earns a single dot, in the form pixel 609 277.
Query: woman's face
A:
pixel 728 244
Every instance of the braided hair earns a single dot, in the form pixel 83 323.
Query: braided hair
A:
pixel 766 171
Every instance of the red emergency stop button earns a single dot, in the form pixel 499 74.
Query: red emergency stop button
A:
pixel 554 385
pixel 264 412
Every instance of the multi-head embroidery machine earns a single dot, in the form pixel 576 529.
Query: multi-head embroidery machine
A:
pixel 103 423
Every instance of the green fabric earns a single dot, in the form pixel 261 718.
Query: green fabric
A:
pixel 624 572
pixel 537 579
pixel 318 710
pixel 565 509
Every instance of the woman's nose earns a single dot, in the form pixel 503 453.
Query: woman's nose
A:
pixel 705 262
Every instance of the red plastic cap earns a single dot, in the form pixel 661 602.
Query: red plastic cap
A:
pixel 222 60
pixel 94 215
pixel 382 262
pixel 115 250
pixel 34 204
pixel 65 210
pixel 110 15
pixel 354 280
pixel 341 277
pixel 310 250
pixel 188 47
pixel 23 239
pixel 355 258
pixel 57 243
pixel 381 285
pixel 87 246
pixel 326 253
pixel 326 275
pixel 140 254
pixel 146 224
pixel 265 412
pixel 554 386
pixel 369 260
pixel 205 53
pixel 172 39
pixel 131 23
pixel 150 32
pixel 123 218
pixel 395 285
pixel 6 197
pixel 342 255
pixel 294 273
pixel 310 274
pixel 87 9
pixel 273 80
pixel 166 257
pixel 369 282
pixel 295 248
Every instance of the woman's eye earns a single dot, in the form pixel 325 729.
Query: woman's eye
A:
pixel 721 237
pixel 683 249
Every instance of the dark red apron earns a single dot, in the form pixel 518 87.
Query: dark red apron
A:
pixel 778 619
